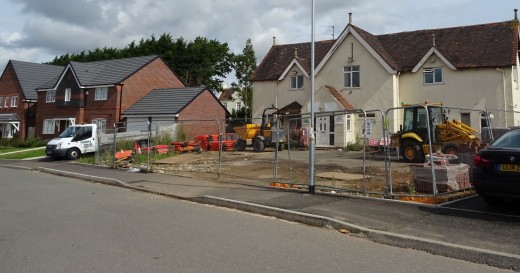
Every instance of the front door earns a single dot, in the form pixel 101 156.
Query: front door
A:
pixel 323 131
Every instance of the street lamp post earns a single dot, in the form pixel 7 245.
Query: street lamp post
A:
pixel 311 133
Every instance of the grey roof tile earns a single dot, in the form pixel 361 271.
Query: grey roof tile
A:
pixel 33 75
pixel 109 71
pixel 165 101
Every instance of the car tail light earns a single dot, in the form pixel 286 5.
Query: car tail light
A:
pixel 478 161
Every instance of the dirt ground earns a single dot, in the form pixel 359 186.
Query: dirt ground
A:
pixel 335 170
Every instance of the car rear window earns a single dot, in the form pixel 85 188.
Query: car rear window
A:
pixel 509 139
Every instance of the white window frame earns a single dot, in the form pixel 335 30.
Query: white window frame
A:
pixel 351 75
pixel 297 82
pixel 14 101
pixel 48 126
pixel 6 102
pixel 433 72
pixel 101 124
pixel 68 93
pixel 238 105
pixel 50 96
pixel 101 93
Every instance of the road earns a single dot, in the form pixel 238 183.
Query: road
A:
pixel 56 224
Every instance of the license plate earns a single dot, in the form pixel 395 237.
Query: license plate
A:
pixel 510 168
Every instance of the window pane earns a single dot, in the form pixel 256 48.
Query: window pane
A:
pixel 293 82
pixel 438 75
pixel 300 82
pixel 355 79
pixel 67 94
pixel 428 77
pixel 347 80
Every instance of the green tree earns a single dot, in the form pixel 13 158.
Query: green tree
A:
pixel 245 65
pixel 200 62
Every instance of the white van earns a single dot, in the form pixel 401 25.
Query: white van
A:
pixel 73 142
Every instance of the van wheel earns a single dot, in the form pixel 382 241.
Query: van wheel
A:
pixel 73 153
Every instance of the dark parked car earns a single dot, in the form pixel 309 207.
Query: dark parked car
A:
pixel 496 169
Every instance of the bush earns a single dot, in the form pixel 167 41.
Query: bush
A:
pixel 27 143
pixel 353 146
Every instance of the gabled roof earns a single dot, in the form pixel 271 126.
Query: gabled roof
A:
pixel 339 98
pixel 168 101
pixel 484 45
pixel 291 108
pixel 108 72
pixel 280 56
pixel 33 75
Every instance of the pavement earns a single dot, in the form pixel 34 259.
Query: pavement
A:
pixel 446 230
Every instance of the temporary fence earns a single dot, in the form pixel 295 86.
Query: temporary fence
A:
pixel 354 151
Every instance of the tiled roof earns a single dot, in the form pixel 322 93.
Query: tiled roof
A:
pixel 165 101
pixel 337 95
pixel 33 75
pixel 109 71
pixel 227 94
pixel 291 108
pixel 280 56
pixel 485 45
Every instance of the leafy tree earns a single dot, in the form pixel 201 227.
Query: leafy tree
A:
pixel 245 64
pixel 201 62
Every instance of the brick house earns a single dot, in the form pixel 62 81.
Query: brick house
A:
pixel 18 96
pixel 99 92
pixel 466 67
pixel 197 109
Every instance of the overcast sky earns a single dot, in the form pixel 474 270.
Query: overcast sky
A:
pixel 39 30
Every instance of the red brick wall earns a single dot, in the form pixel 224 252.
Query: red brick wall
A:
pixel 204 111
pixel 10 87
pixel 155 75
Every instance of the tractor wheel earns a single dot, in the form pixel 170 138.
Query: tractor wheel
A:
pixel 241 145
pixel 258 145
pixel 73 153
pixel 450 148
pixel 412 152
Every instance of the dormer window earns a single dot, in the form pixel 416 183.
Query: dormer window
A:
pixel 433 75
pixel 296 82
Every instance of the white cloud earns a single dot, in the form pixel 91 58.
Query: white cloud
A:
pixel 36 29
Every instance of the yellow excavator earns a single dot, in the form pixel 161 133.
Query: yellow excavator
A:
pixel 446 135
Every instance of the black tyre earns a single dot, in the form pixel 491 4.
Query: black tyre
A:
pixel 493 200
pixel 73 153
pixel 241 145
pixel 450 148
pixel 258 145
pixel 412 152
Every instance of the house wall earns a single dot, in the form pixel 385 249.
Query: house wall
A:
pixel 155 75
pixel 202 116
pixel 473 89
pixel 10 87
pixel 279 93
pixel 377 85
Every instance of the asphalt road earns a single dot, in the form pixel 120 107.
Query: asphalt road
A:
pixel 56 224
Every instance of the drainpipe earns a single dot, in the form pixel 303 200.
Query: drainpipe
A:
pixel 504 92
pixel 120 102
